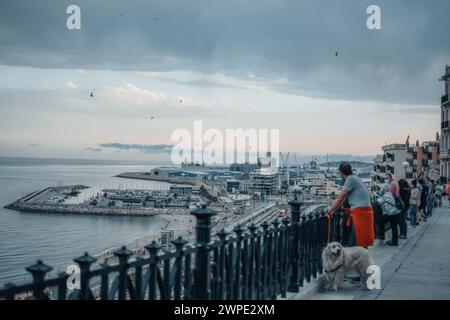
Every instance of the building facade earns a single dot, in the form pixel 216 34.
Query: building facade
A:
pixel 265 179
pixel 404 161
pixel 445 130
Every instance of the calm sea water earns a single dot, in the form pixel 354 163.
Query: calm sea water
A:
pixel 57 239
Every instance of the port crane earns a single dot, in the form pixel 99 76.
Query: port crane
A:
pixel 284 169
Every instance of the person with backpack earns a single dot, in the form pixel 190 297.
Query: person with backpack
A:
pixel 390 212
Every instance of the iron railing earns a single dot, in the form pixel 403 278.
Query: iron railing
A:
pixel 253 262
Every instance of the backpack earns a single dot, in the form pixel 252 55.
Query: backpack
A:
pixel 399 203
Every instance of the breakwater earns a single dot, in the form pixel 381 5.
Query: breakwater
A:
pixel 76 209
pixel 152 177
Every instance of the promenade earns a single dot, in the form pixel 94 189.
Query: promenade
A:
pixel 418 269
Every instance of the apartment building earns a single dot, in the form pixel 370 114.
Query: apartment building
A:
pixel 404 161
pixel 445 132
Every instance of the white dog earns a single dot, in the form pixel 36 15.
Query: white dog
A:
pixel 338 261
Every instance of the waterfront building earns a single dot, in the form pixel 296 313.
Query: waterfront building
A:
pixel 445 133
pixel 245 168
pixel 233 186
pixel 265 178
pixel 183 189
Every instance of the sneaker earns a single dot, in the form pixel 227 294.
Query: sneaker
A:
pixel 390 243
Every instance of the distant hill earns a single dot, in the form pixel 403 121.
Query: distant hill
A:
pixel 303 158
pixel 355 164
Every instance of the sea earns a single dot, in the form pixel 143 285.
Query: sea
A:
pixel 57 239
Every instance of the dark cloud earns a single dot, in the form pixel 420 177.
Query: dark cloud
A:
pixel 94 149
pixel 293 39
pixel 146 148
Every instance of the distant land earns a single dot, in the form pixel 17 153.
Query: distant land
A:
pixel 24 161
pixel 304 158
pixel 355 164
pixel 301 158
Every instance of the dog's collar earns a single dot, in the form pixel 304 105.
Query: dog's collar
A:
pixel 335 269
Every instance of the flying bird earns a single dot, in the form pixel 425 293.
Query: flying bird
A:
pixel 92 94
pixel 156 18
pixel 336 53
pixel 152 117
pixel 181 101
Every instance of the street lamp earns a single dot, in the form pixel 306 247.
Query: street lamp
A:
pixel 405 165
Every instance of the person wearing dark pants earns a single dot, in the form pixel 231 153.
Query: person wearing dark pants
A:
pixel 393 221
pixel 378 219
pixel 390 212
pixel 414 202
pixel 405 194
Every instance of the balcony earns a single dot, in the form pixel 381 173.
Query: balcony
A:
pixel 444 99
pixel 444 125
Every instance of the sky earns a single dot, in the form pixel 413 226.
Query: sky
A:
pixel 157 66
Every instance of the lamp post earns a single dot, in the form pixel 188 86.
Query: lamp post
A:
pixel 405 165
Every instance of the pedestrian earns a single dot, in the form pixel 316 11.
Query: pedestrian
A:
pixel 405 194
pixel 392 184
pixel 430 197
pixel 439 191
pixel 447 191
pixel 390 212
pixel 361 212
pixel 414 203
pixel 423 200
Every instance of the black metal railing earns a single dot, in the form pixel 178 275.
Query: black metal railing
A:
pixel 444 125
pixel 444 99
pixel 253 262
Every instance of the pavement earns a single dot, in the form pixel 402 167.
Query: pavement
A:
pixel 418 269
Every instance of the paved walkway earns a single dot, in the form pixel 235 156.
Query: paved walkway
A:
pixel 418 269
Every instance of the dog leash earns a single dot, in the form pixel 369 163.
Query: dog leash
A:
pixel 328 217
pixel 335 269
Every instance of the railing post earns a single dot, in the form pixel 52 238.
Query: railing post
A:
pixel 251 268
pixel 222 234
pixel 179 244
pixel 285 246
pixel 123 255
pixel 153 249
pixel 238 230
pixel 38 272
pixel 202 274
pixel 85 262
pixel 62 285
pixel 294 254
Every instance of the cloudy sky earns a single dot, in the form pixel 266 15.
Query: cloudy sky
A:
pixel 232 64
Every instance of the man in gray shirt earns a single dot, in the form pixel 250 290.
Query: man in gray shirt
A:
pixel 358 195
pixel 361 212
